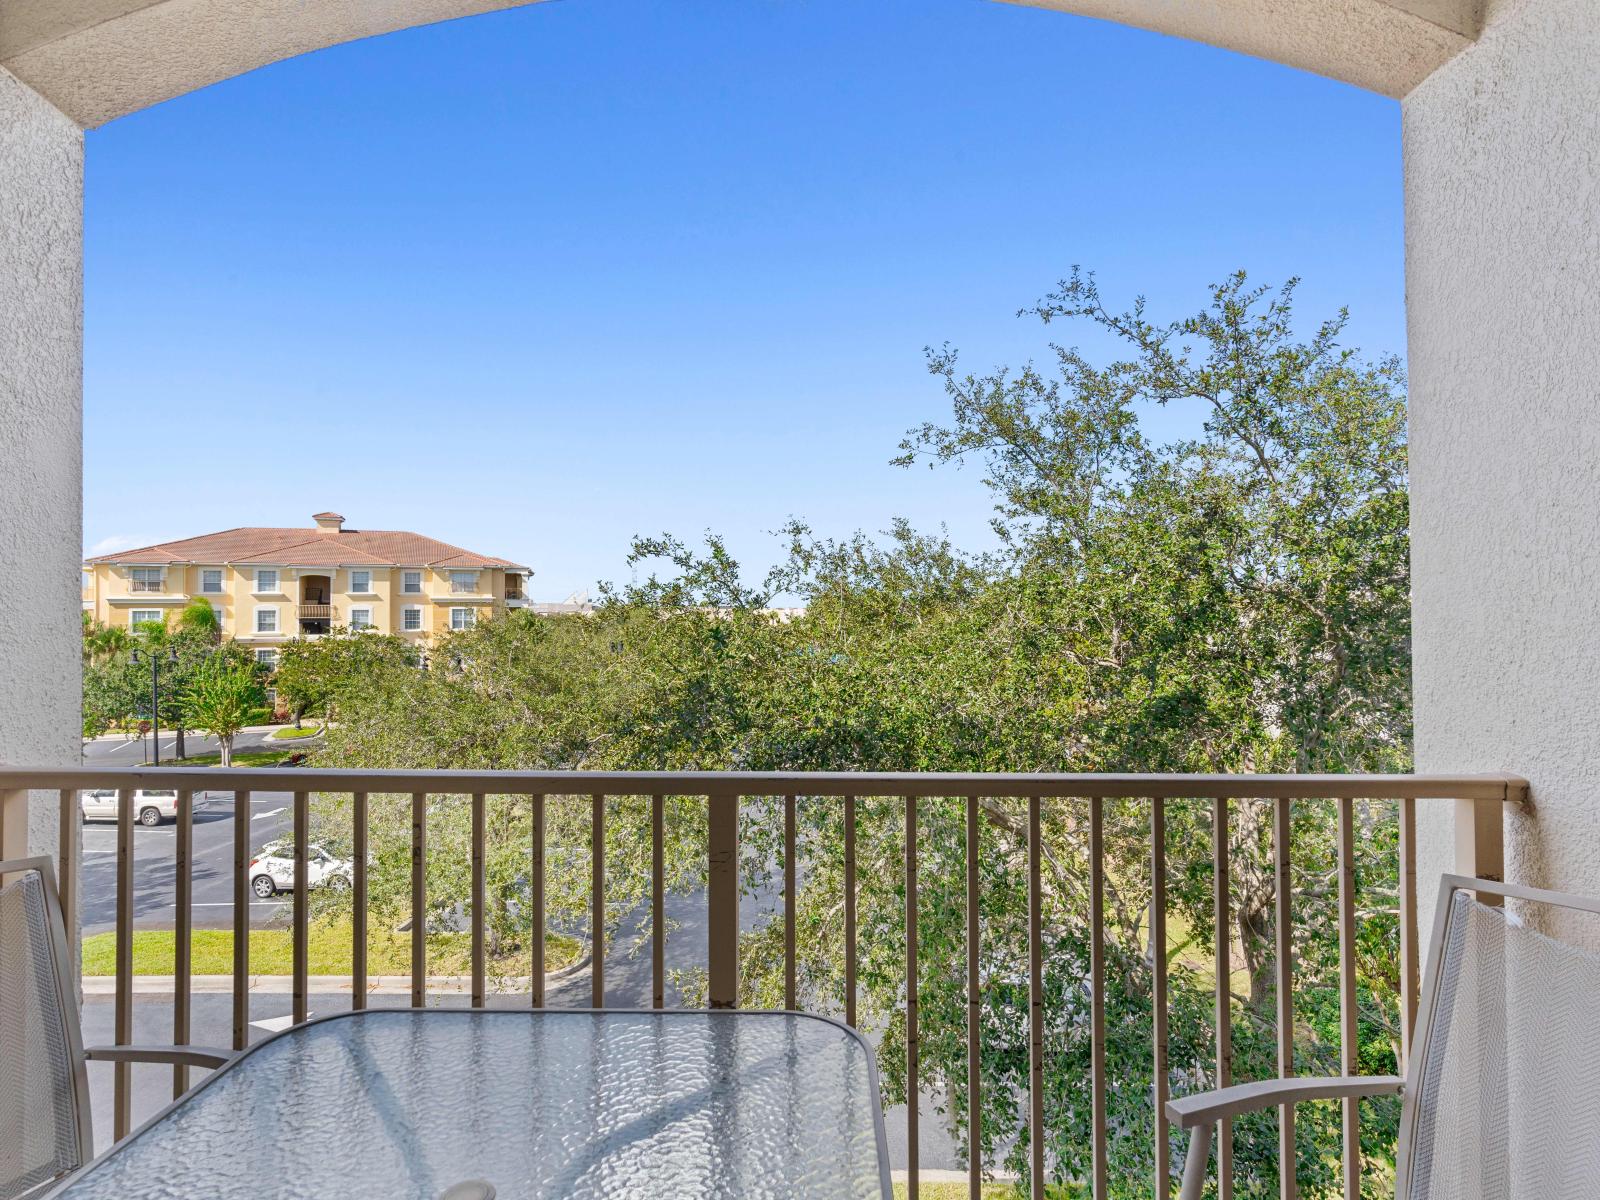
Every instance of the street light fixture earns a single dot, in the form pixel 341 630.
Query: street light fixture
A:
pixel 155 692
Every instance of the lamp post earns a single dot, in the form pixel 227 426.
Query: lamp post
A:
pixel 155 693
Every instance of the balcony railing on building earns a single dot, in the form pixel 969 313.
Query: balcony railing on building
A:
pixel 1479 800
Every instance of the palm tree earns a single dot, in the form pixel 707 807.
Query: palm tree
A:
pixel 199 617
pixel 101 643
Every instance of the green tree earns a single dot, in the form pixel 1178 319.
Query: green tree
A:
pixel 200 618
pixel 1233 601
pixel 315 674
pixel 221 698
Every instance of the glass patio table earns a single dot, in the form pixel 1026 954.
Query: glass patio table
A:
pixel 430 1103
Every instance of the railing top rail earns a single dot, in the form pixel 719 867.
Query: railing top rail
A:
pixel 1489 786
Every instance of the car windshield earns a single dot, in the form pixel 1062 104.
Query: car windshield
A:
pixel 157 795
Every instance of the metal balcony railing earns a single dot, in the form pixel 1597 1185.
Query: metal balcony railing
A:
pixel 1479 799
pixel 316 612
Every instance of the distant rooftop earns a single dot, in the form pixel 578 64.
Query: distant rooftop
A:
pixel 327 544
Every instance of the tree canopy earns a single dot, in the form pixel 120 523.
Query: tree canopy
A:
pixel 1234 601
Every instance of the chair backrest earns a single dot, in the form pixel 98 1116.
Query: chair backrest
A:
pixel 1502 1097
pixel 44 1094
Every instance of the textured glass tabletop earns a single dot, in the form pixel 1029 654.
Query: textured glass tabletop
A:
pixel 538 1104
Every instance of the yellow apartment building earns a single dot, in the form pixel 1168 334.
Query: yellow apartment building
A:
pixel 270 585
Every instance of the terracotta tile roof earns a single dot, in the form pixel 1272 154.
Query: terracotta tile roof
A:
pixel 311 548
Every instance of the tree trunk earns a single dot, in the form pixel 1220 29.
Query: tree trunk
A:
pixel 227 749
pixel 178 745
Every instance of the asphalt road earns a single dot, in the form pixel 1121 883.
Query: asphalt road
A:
pixel 154 882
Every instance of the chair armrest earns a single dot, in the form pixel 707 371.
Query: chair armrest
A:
pixel 1207 1108
pixel 176 1056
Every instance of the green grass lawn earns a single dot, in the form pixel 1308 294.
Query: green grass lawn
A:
pixel 289 731
pixel 241 758
pixel 957 1191
pixel 328 952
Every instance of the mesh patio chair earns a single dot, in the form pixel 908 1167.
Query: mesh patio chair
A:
pixel 45 1128
pixel 1501 1100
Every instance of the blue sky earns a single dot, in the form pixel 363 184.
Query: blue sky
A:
pixel 536 281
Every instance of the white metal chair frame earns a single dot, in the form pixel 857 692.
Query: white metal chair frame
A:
pixel 1201 1113
pixel 66 988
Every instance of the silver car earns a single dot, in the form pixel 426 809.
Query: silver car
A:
pixel 149 807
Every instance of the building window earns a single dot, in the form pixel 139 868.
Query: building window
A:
pixel 145 579
pixel 211 581
pixel 411 582
pixel 220 617
pixel 272 698
pixel 266 581
pixel 361 582
pixel 463 581
pixel 267 659
pixel 266 620
pixel 411 619
pixel 463 618
pixel 140 615
pixel 360 618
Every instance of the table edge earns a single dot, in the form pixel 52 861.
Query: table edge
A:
pixel 879 1130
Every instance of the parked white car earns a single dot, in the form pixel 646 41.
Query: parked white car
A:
pixel 272 869
pixel 149 807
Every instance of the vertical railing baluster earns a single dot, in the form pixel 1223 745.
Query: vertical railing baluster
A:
pixel 850 911
pixel 302 903
pixel 912 1014
pixel 1158 994
pixel 183 882
pixel 479 899
pixel 1349 1034
pixel 536 926
pixel 358 923
pixel 123 1077
pixel 1097 997
pixel 1035 1002
pixel 1288 1160
pixel 241 920
pixel 1222 917
pixel 722 900
pixel 597 901
pixel 788 904
pixel 658 903
pixel 974 1013
pixel 67 862
pixel 419 896
pixel 1410 945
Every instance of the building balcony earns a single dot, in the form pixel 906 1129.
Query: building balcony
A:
pixel 960 852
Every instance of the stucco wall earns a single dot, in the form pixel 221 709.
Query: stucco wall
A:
pixel 99 59
pixel 1502 163
pixel 41 419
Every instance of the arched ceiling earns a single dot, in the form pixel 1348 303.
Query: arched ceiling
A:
pixel 99 59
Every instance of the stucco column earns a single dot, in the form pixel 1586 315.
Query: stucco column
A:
pixel 1502 169
pixel 41 451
